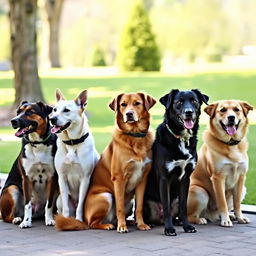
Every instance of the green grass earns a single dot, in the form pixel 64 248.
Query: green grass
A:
pixel 217 85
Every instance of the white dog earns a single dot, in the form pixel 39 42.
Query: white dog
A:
pixel 76 155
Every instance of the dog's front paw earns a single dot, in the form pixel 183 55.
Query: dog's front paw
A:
pixel 243 220
pixel 49 222
pixel 122 228
pixel 170 231
pixel 189 229
pixel 143 226
pixel 202 221
pixel 17 220
pixel 226 223
pixel 25 224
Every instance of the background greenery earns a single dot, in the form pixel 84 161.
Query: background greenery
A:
pixel 218 85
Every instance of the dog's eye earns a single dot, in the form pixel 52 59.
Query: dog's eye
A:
pixel 66 110
pixel 123 104
pixel 136 103
pixel 236 109
pixel 223 110
pixel 55 109
pixel 194 101
pixel 29 112
pixel 179 102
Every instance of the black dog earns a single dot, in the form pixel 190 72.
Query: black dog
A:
pixel 31 185
pixel 174 159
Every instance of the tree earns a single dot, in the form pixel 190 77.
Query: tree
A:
pixel 23 15
pixel 138 49
pixel 53 10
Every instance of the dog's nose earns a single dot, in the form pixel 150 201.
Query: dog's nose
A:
pixel 53 120
pixel 189 112
pixel 129 114
pixel 15 122
pixel 231 119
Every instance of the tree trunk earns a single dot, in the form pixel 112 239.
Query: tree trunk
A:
pixel 24 50
pixel 54 9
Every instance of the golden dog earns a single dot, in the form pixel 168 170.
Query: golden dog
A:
pixel 217 184
pixel 122 169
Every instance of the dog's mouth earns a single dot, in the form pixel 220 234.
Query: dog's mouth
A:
pixel 25 130
pixel 188 123
pixel 58 129
pixel 230 129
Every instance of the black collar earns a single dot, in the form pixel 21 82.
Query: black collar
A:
pixel 76 141
pixel 136 134
pixel 233 142
pixel 34 143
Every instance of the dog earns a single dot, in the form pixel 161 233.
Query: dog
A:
pixel 217 184
pixel 174 159
pixel 122 169
pixel 76 154
pixel 31 186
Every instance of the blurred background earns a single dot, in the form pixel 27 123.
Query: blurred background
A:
pixel 114 46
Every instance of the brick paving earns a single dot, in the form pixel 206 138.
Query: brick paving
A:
pixel 210 240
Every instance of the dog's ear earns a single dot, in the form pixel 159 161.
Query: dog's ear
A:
pixel 210 109
pixel 202 97
pixel 115 102
pixel 59 95
pixel 148 101
pixel 23 102
pixel 246 107
pixel 46 109
pixel 81 99
pixel 167 98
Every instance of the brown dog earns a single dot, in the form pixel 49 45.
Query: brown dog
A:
pixel 217 184
pixel 122 169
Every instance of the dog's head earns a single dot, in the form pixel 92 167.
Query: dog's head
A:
pixel 228 118
pixel 183 107
pixel 66 113
pixel 132 109
pixel 31 117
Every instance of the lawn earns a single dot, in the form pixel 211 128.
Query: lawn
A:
pixel 217 85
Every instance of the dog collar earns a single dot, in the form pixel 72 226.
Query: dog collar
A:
pixel 184 137
pixel 233 142
pixel 34 143
pixel 136 134
pixel 76 141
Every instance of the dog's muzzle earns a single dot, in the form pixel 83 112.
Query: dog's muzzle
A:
pixel 24 126
pixel 130 117
pixel 231 127
pixel 58 128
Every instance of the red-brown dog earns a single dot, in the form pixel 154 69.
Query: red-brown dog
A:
pixel 122 169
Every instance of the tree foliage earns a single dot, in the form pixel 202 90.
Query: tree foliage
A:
pixel 138 49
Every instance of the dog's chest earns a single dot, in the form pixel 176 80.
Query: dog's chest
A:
pixel 184 159
pixel 135 171
pixel 232 170
pixel 38 163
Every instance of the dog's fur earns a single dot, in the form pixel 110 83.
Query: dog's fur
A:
pixel 122 169
pixel 217 184
pixel 76 154
pixel 32 182
pixel 174 159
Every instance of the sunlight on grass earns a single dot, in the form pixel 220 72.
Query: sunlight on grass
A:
pixel 6 95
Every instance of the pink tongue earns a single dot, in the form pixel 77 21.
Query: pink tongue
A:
pixel 55 129
pixel 20 132
pixel 231 130
pixel 188 124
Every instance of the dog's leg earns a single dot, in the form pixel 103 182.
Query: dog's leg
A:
pixel 27 190
pixel 97 209
pixel 197 202
pixel 237 198
pixel 51 188
pixel 82 193
pixel 169 230
pixel 119 190
pixel 64 192
pixel 183 196
pixel 139 196
pixel 9 204
pixel 218 181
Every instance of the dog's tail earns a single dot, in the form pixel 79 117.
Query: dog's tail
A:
pixel 68 224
